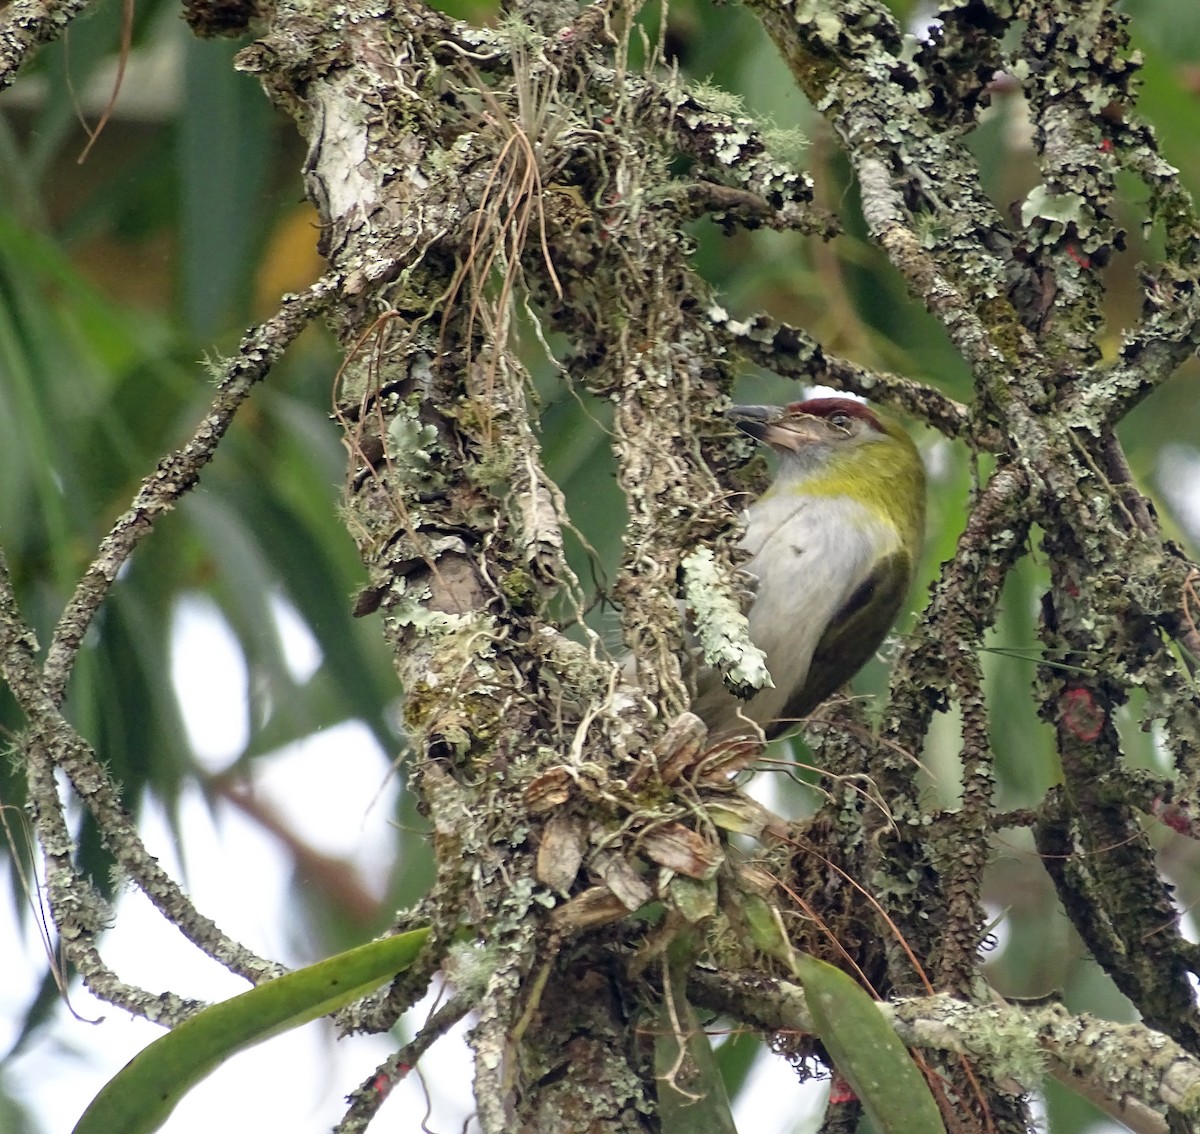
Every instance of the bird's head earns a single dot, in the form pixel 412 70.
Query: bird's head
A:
pixel 815 430
pixel 840 447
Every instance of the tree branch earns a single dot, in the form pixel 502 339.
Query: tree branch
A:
pixel 791 352
pixel 178 473
pixel 28 24
pixel 50 743
pixel 1010 1042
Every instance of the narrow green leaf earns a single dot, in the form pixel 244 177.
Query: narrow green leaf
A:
pixel 735 1059
pixel 141 1096
pixel 766 928
pixel 225 143
pixel 691 1089
pixel 867 1052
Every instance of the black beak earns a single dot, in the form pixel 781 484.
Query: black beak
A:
pixel 753 420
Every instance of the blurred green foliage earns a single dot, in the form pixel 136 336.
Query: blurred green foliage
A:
pixel 186 222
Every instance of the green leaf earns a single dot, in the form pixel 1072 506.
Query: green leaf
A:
pixel 225 141
pixel 867 1052
pixel 765 927
pixel 691 1089
pixel 735 1059
pixel 141 1096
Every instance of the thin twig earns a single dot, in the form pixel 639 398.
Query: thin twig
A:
pixel 367 1099
pixel 51 742
pixel 79 913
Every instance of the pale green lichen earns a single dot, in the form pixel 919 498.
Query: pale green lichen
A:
pixel 1007 1042
pixel 412 611
pixel 721 628
pixel 1063 208
pixel 411 442
pixel 787 144
pixel 718 100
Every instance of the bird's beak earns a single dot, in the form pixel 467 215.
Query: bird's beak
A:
pixel 767 424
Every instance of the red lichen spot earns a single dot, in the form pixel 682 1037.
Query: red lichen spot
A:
pixel 1082 717
pixel 383 1083
pixel 840 1092
pixel 1176 814
pixel 1078 256
pixel 1106 146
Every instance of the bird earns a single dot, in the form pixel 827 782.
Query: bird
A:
pixel 833 543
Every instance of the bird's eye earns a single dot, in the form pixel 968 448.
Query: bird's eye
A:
pixel 840 421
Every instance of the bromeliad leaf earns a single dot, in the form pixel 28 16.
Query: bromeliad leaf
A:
pixel 866 1050
pixel 691 1092
pixel 141 1096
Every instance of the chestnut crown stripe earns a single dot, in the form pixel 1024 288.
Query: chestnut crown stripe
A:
pixel 825 407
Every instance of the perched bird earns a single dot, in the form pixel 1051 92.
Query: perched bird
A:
pixel 833 543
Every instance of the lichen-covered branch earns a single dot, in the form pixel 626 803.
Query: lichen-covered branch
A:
pixel 49 743
pixel 26 25
pixel 1010 1043
pixel 80 914
pixel 792 352
pixel 1068 216
pixel 176 474
pixel 526 743
pixel 366 1099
